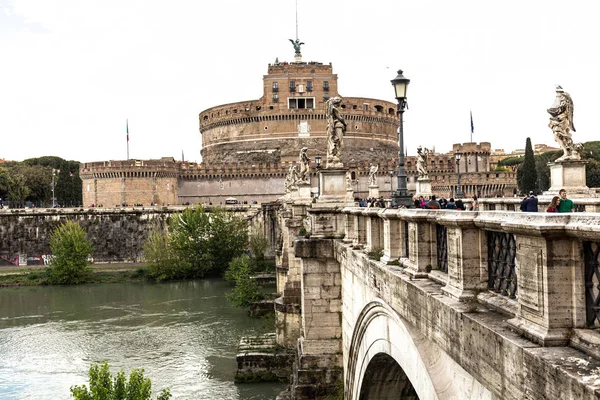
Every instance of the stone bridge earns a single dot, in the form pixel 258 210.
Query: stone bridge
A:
pixel 436 304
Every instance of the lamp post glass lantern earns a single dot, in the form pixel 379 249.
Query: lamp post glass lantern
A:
pixel 459 193
pixel 401 197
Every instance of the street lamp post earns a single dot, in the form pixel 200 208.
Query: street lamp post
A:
pixel 53 198
pixel 459 193
pixel 318 161
pixel 401 198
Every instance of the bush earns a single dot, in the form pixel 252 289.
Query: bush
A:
pixel 246 290
pixel 103 386
pixel 197 244
pixel 70 249
pixel 258 247
pixel 159 256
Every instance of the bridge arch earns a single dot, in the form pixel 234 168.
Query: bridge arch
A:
pixel 411 362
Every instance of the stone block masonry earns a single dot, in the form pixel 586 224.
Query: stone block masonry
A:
pixel 118 234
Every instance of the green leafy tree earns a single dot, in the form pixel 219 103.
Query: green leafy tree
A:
pixel 245 291
pixel 160 259
pixel 17 187
pixel 258 247
pixel 197 244
pixel 70 251
pixel 68 184
pixel 228 239
pixel 527 174
pixel 103 386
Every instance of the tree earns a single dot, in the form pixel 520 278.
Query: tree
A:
pixel 197 244
pixel 162 263
pixel 245 291
pixel 103 386
pixel 70 249
pixel 527 174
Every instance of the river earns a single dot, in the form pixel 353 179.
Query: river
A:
pixel 184 335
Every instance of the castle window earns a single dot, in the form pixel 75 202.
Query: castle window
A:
pixel 326 86
pixel 275 86
pixel 292 86
pixel 365 107
pixel 391 111
pixel 379 108
pixel 275 98
pixel 301 103
pixel 309 86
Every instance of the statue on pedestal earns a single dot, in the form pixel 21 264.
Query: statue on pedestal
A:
pixel 304 162
pixel 336 127
pixel 348 180
pixel 422 154
pixel 373 174
pixel 291 179
pixel 561 123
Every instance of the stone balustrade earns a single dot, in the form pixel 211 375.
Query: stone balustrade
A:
pixel 514 203
pixel 541 269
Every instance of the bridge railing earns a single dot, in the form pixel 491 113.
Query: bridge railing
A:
pixel 543 268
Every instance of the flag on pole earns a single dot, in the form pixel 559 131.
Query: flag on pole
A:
pixel 472 126
pixel 127 129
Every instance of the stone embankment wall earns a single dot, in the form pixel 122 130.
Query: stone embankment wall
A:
pixel 118 234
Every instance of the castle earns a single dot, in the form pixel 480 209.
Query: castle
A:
pixel 248 147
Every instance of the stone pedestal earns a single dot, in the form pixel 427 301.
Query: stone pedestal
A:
pixel 332 186
pixel 304 191
pixel 374 191
pixel 568 175
pixel 423 187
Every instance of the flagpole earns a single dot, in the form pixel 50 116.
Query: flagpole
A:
pixel 127 129
pixel 472 127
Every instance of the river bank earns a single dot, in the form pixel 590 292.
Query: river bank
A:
pixel 36 275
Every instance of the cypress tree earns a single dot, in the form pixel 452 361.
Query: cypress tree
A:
pixel 527 174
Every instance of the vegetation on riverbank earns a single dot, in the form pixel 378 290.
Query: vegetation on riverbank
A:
pixel 99 273
pixel 104 386
pixel 197 244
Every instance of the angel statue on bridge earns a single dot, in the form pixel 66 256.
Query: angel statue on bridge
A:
pixel 336 127
pixel 422 154
pixel 373 174
pixel 561 123
pixel 304 162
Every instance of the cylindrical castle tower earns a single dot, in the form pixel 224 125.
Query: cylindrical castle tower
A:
pixel 291 115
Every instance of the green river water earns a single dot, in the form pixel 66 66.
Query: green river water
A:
pixel 184 335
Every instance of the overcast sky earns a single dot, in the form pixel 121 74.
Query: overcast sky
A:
pixel 73 71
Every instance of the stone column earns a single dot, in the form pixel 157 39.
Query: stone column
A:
pixel 287 306
pixel 349 231
pixel 393 242
pixel 373 228
pixel 464 263
pixel 320 357
pixel 549 269
pixel 421 242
